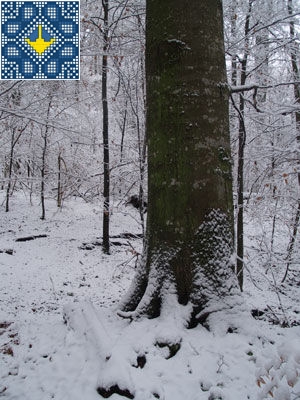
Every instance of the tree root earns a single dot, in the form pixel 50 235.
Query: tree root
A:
pixel 143 298
pixel 149 308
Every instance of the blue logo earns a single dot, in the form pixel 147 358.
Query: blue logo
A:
pixel 40 39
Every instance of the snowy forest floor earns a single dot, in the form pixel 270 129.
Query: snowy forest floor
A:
pixel 66 273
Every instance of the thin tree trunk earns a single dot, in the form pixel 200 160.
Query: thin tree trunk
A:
pixel 59 189
pixel 43 167
pixel 10 167
pixel 106 188
pixel 14 141
pixel 30 170
pixel 292 243
pixel 123 129
pixel 30 174
pixel 241 151
pixel 296 74
pixel 234 57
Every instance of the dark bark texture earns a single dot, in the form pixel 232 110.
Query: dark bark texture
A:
pixel 189 238
pixel 241 151
pixel 296 73
pixel 106 178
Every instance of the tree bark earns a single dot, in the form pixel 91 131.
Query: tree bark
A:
pixel 10 168
pixel 296 73
pixel 189 237
pixel 14 140
pixel 241 150
pixel 106 187
pixel 233 30
pixel 59 194
pixel 43 167
pixel 43 173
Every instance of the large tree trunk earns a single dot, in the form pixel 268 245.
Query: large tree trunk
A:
pixel 189 238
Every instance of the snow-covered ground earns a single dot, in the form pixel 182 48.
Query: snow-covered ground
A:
pixel 50 279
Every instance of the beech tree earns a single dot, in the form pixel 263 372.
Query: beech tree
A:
pixel 189 237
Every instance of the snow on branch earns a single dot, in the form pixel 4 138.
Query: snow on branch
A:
pixel 43 122
pixel 247 88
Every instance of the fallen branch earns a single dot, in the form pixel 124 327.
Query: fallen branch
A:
pixel 89 324
pixel 27 238
pixel 128 235
pixel 7 251
pixel 125 235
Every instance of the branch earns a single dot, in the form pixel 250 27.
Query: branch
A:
pixel 10 88
pixel 44 122
pixel 277 21
pixel 247 88
pixel 240 114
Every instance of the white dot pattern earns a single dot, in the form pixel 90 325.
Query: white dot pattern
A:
pixel 51 68
pixel 67 28
pixel 12 51
pixel 67 51
pixel 28 11
pixel 12 28
pixel 51 13
pixel 28 67
pixel 20 22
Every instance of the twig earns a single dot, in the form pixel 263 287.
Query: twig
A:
pixel 55 295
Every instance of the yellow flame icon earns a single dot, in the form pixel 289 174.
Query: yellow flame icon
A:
pixel 40 45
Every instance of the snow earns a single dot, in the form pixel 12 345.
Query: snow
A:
pixel 61 337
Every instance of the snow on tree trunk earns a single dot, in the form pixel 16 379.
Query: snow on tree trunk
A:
pixel 189 238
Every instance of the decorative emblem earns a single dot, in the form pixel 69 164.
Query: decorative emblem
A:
pixel 40 45
pixel 40 39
